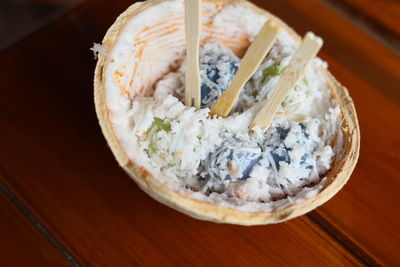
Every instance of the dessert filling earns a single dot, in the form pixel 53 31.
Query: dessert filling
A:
pixel 222 155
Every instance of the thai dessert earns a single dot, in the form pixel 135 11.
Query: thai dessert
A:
pixel 210 167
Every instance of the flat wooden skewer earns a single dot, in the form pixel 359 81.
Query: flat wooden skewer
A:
pixel 306 52
pixel 192 74
pixel 248 66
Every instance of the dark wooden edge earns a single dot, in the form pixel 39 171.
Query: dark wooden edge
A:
pixel 342 239
pixel 4 189
pixel 369 24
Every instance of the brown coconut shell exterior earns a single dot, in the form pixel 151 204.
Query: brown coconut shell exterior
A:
pixel 337 176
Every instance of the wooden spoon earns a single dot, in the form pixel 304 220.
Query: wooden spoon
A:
pixel 192 74
pixel 248 66
pixel 297 66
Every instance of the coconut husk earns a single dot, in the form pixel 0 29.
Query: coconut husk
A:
pixel 337 176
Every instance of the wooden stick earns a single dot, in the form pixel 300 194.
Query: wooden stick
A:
pixel 192 74
pixel 296 68
pixel 248 66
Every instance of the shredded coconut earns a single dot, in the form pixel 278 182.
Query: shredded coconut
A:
pixel 98 49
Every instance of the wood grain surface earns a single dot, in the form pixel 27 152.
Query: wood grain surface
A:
pixel 381 17
pixel 56 162
pixel 21 243
pixel 386 12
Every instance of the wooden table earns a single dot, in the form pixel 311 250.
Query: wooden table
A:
pixel 64 200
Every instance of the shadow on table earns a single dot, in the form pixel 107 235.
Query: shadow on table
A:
pixel 20 18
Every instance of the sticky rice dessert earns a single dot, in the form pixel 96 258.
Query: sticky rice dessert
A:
pixel 211 167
